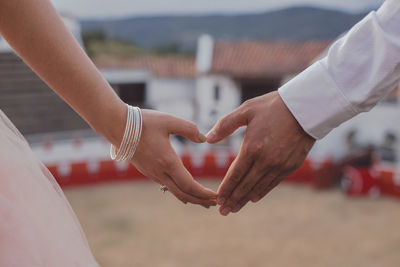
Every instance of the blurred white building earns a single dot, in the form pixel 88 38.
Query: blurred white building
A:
pixel 164 83
pixel 205 88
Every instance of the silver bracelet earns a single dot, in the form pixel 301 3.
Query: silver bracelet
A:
pixel 132 134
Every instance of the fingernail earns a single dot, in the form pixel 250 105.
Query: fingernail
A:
pixel 202 138
pixel 221 201
pixel 225 211
pixel 211 136
pixel 236 209
pixel 255 199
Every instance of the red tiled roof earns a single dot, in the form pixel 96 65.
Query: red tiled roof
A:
pixel 255 59
pixel 171 66
pixel 245 59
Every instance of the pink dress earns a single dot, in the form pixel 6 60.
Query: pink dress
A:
pixel 37 224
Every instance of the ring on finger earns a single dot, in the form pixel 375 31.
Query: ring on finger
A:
pixel 163 188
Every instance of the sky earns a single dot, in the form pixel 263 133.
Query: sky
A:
pixel 112 8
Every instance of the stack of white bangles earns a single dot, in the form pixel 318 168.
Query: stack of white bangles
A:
pixel 130 141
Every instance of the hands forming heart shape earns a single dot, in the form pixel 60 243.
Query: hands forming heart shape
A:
pixel 274 146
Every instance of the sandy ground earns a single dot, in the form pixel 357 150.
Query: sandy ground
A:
pixel 134 224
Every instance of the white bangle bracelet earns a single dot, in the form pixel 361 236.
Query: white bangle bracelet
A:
pixel 132 134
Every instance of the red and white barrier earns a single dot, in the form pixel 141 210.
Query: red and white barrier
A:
pixel 79 162
pixel 374 181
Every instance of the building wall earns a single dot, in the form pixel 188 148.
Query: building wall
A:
pixel 32 106
pixel 30 103
pixel 210 109
pixel 172 95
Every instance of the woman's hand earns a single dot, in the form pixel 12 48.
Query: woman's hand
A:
pixel 48 47
pixel 156 158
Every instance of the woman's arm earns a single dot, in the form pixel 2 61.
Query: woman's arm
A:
pixel 36 32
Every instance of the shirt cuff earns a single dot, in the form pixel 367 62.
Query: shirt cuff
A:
pixel 316 102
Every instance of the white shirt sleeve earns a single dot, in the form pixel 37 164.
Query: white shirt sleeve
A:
pixel 359 70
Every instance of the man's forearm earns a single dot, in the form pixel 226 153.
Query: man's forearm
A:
pixel 36 32
pixel 360 69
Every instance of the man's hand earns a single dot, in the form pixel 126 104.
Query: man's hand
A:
pixel 273 147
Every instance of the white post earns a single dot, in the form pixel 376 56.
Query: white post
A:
pixel 204 56
pixel 204 59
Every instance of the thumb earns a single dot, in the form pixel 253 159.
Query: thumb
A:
pixel 186 129
pixel 227 125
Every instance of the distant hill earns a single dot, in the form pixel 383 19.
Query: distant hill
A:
pixel 298 23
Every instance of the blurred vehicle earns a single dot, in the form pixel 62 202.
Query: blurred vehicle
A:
pixel 382 176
